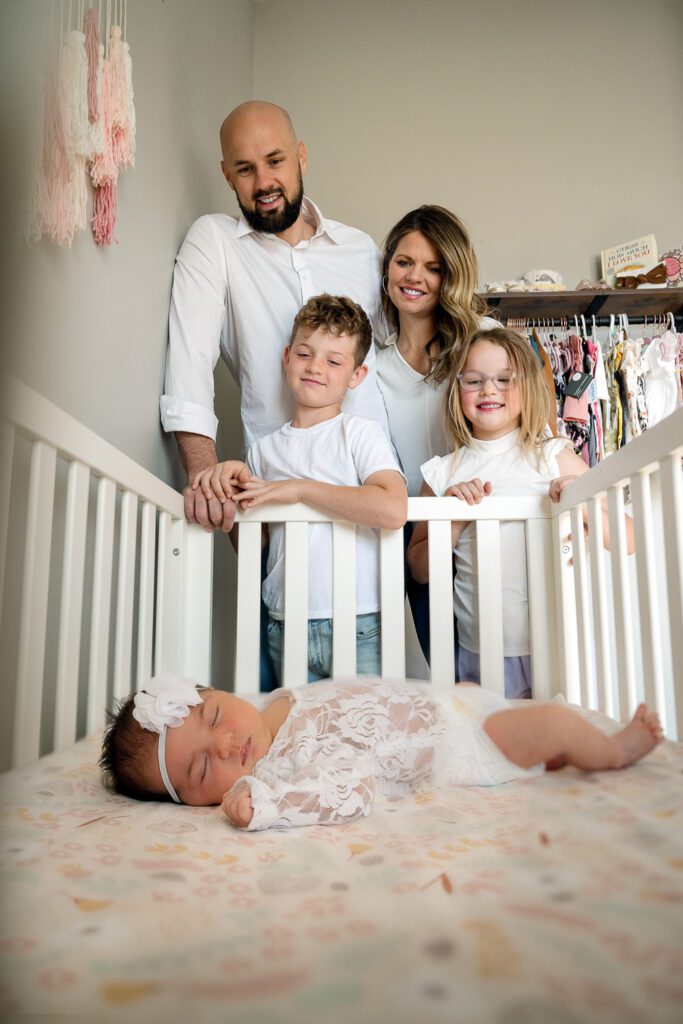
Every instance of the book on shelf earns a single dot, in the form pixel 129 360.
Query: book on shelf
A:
pixel 635 257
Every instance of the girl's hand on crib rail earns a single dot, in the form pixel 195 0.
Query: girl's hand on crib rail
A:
pixel 471 491
pixel 237 805
pixel 558 485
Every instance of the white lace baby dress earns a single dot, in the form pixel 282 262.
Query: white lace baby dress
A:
pixel 346 740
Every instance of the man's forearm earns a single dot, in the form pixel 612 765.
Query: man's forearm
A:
pixel 197 452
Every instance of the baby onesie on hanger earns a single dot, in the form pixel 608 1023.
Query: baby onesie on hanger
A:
pixel 344 741
pixel 661 389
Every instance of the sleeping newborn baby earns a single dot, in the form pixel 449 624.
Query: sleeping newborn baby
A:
pixel 317 755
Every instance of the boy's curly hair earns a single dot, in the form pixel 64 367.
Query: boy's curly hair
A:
pixel 126 749
pixel 338 315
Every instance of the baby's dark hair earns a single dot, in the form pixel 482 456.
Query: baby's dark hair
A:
pixel 126 749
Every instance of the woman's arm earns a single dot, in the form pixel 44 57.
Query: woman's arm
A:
pixel 571 467
pixel 382 501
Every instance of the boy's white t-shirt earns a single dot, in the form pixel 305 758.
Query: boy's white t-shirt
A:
pixel 345 451
pixel 512 474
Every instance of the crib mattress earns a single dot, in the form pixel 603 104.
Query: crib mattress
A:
pixel 555 900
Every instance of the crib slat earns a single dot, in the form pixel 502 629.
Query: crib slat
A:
pixel 162 628
pixel 146 594
pixel 344 598
pixel 583 615
pixel 101 603
pixel 604 683
pixel 393 604
pixel 541 623
pixel 33 624
pixel 123 638
pixel 295 666
pixel 6 463
pixel 628 695
pixel 565 608
pixel 671 477
pixel 643 525
pixel 71 608
pixel 442 660
pixel 491 665
pixel 247 646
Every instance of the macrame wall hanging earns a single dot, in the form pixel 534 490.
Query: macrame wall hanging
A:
pixel 87 124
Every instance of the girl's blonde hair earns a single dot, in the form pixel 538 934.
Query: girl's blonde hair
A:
pixel 460 308
pixel 528 379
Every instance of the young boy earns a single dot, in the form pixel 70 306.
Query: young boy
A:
pixel 317 755
pixel 339 463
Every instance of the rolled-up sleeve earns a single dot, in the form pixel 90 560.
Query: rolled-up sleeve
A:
pixel 197 315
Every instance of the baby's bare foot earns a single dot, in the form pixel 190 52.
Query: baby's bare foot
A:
pixel 639 737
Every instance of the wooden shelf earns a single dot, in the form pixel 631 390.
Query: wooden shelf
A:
pixel 554 305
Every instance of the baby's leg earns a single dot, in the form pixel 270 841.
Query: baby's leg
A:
pixel 552 733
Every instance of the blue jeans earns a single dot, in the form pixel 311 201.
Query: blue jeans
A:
pixel 368 653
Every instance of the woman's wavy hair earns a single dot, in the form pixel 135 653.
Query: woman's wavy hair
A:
pixel 460 308
pixel 526 369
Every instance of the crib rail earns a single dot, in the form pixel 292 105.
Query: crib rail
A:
pixel 439 513
pixel 102 580
pixel 624 615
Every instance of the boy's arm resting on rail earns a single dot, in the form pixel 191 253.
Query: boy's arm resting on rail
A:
pixel 339 791
pixel 571 466
pixel 382 501
pixel 418 548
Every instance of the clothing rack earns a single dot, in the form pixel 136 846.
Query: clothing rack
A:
pixel 599 321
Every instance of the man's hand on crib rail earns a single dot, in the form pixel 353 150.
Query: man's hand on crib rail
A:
pixel 237 805
pixel 218 485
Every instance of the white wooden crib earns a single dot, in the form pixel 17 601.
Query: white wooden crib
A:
pixel 469 905
pixel 604 633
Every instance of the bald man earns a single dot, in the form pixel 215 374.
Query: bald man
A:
pixel 237 286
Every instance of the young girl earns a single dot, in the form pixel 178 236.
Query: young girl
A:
pixel 318 755
pixel 497 417
pixel 429 280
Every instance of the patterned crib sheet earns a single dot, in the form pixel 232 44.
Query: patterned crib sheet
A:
pixel 553 900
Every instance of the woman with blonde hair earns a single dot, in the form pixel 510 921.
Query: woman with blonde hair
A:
pixel 497 422
pixel 429 280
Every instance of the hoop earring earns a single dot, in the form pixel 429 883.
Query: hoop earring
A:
pixel 384 287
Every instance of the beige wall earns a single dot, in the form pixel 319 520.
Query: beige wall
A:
pixel 87 327
pixel 553 129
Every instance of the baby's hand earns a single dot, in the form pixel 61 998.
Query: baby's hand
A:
pixel 222 480
pixel 558 485
pixel 471 491
pixel 237 805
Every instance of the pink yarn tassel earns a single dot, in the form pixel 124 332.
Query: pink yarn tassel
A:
pixel 103 168
pixel 92 49
pixel 123 111
pixel 104 213
pixel 65 194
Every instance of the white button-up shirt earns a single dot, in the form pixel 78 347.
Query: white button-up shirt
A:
pixel 236 292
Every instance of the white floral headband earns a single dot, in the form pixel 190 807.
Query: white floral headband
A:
pixel 164 704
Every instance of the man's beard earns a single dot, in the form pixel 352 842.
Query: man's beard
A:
pixel 275 223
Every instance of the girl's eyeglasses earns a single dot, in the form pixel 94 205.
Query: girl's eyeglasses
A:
pixel 476 381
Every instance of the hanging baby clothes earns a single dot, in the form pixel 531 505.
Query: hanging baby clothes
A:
pixel 661 390
pixel 575 410
pixel 612 409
